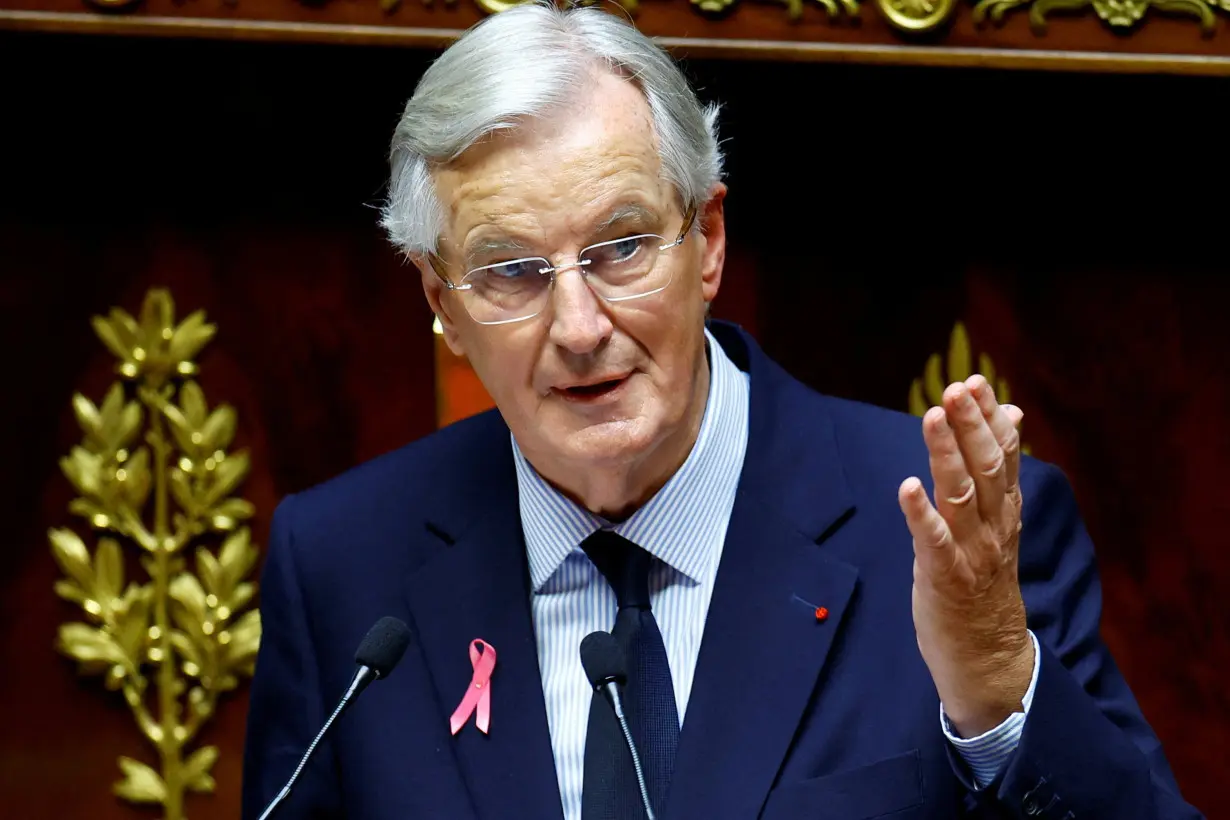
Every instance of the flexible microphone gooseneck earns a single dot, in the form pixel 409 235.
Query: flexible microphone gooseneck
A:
pixel 607 670
pixel 380 651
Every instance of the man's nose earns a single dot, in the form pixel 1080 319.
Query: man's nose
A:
pixel 579 323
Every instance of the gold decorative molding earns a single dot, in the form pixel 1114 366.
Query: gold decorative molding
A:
pixel 494 6
pixel 154 442
pixel 1119 14
pixel 1087 58
pixel 917 16
pixel 928 391
pixel 908 16
pixel 794 8
pixel 914 16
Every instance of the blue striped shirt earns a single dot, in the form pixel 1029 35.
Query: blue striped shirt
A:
pixel 684 527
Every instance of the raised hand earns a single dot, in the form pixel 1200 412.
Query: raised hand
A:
pixel 969 616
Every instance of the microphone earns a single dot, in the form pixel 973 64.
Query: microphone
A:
pixel 380 651
pixel 607 670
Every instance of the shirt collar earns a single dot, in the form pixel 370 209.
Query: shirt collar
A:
pixel 675 524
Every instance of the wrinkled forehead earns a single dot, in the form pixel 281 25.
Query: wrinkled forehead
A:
pixel 553 179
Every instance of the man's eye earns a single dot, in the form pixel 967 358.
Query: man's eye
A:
pixel 515 269
pixel 624 249
pixel 617 251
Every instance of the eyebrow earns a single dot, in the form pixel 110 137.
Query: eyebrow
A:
pixel 631 212
pixel 487 247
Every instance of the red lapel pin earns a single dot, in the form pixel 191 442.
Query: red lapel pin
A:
pixel 822 614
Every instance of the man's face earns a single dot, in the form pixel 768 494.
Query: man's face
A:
pixel 584 384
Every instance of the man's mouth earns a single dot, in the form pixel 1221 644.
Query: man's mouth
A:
pixel 596 391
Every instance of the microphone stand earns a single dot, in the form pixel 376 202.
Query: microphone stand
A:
pixel 611 688
pixel 362 678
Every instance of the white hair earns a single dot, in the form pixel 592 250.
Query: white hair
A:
pixel 528 62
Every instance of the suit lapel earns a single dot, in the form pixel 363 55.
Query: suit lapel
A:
pixel 764 647
pixel 759 662
pixel 478 587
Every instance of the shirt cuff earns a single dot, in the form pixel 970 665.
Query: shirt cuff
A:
pixel 986 754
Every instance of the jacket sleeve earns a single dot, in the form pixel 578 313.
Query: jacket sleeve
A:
pixel 285 710
pixel 1086 750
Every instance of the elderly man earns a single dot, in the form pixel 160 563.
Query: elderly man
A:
pixel 807 633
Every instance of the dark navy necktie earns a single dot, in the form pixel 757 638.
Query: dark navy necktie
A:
pixel 610 787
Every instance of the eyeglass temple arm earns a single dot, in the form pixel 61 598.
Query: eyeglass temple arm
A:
pixel 689 219
pixel 436 264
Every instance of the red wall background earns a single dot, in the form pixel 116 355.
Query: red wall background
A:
pixel 1072 222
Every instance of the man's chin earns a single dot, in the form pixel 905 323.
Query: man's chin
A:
pixel 609 442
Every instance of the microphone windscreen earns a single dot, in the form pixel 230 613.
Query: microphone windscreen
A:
pixel 384 645
pixel 603 659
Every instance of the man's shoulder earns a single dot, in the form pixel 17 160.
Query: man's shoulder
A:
pixel 880 438
pixel 875 423
pixel 863 433
pixel 420 465
pixel 402 484
pixel 876 441
pixel 786 403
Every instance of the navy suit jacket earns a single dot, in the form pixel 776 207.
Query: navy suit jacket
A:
pixel 790 718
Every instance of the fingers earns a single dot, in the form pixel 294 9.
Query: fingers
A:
pixel 955 493
pixel 1003 419
pixel 985 460
pixel 934 546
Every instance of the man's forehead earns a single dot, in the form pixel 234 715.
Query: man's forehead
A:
pixel 573 170
pixel 543 207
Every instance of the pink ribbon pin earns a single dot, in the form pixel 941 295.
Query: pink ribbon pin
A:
pixel 478 694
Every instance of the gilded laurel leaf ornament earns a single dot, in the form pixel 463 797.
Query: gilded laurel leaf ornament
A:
pixel 1119 14
pixel 957 365
pixel 177 640
pixel 154 347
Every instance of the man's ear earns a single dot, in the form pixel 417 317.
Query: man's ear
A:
pixel 712 223
pixel 439 301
